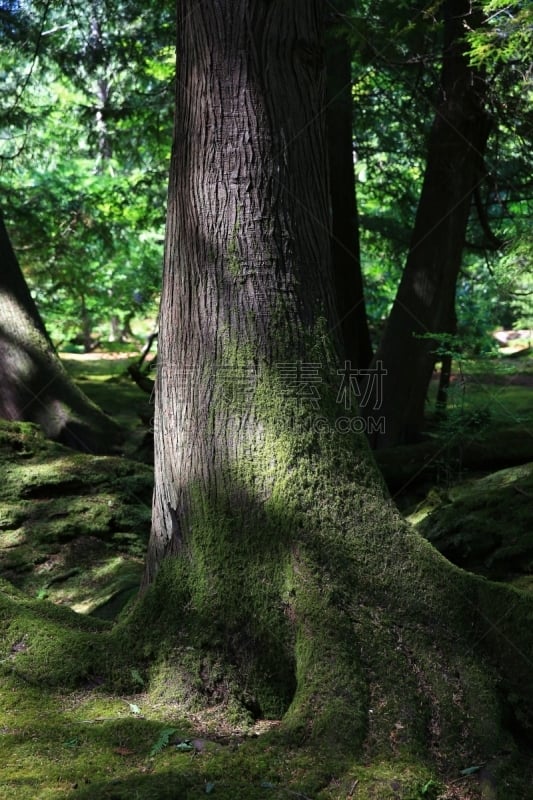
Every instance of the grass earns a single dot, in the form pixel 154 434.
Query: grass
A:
pixel 499 388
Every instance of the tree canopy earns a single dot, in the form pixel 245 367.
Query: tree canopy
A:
pixel 87 116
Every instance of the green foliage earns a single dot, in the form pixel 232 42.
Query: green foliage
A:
pixel 389 153
pixel 505 37
pixel 515 278
pixel 396 89
pixel 429 790
pixel 162 740
pixel 85 182
pixel 137 677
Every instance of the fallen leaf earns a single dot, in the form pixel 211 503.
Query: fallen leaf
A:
pixel 184 746
pixel 469 770
pixel 123 751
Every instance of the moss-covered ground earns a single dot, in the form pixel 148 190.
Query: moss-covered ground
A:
pixel 77 719
pixel 73 528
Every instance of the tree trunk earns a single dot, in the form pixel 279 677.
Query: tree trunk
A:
pixel 346 259
pixel 86 327
pixel 34 386
pixel 246 265
pixel 444 385
pixel 426 296
pixel 280 580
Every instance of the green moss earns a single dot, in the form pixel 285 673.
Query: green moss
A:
pixel 45 644
pixel 301 586
pixel 73 528
pixel 93 744
pixel 232 639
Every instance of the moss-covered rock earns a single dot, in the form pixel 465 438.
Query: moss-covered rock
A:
pixel 484 525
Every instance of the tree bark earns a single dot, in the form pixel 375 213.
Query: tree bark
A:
pixel 279 579
pixel 247 258
pixel 425 300
pixel 34 385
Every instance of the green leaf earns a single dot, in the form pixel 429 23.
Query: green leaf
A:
pixel 137 677
pixel 469 770
pixel 71 743
pixel 185 746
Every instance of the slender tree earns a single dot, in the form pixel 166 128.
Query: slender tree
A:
pixel 345 252
pixel 425 301
pixel 34 385
pixel 279 578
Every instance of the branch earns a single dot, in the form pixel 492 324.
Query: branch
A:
pixel 493 241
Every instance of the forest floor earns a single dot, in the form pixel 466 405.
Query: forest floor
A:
pixel 73 531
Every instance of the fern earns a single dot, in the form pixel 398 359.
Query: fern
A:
pixel 162 740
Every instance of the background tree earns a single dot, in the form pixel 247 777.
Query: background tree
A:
pixel 279 577
pixel 346 257
pixel 396 53
pixel 34 386
pixel 425 302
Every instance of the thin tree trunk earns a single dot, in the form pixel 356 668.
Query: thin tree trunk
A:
pixel 346 259
pixel 34 386
pixel 426 296
pixel 444 384
pixel 86 327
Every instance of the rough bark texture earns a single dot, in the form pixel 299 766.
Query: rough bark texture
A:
pixel 426 296
pixel 247 261
pixel 34 386
pixel 345 252
pixel 279 579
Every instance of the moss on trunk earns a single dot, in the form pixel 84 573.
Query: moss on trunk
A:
pixel 322 605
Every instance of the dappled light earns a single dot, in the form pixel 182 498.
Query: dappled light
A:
pixel 266 431
pixel 74 528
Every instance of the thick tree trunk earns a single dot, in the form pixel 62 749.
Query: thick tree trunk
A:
pixel 34 386
pixel 279 578
pixel 345 251
pixel 246 265
pixel 426 296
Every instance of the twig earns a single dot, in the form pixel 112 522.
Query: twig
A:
pixel 521 491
